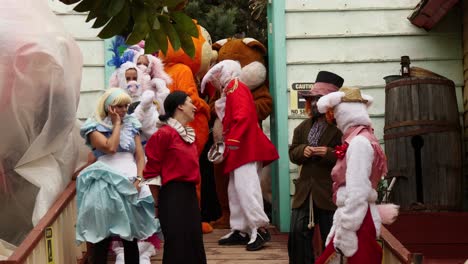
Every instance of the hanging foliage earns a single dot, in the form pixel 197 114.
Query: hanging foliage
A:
pixel 155 21
pixel 234 18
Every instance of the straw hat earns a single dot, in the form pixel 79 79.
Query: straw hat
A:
pixel 352 94
pixel 344 95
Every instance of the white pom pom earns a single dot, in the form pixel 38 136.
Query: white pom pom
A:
pixel 388 212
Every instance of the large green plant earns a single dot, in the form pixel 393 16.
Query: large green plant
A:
pixel 155 21
pixel 238 18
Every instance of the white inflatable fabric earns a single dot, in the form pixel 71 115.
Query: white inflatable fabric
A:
pixel 40 76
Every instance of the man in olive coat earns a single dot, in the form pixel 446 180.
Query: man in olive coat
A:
pixel 312 149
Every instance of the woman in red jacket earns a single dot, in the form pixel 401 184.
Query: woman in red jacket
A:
pixel 172 171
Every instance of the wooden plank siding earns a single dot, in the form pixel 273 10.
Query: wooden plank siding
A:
pixel 362 41
pixel 92 48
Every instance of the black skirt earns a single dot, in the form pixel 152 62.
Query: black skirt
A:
pixel 179 215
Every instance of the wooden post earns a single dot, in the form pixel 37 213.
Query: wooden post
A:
pixel 279 119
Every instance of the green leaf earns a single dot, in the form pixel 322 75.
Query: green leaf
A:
pixel 117 24
pixel 114 7
pixel 84 6
pixel 186 42
pixel 141 27
pixel 170 31
pixel 153 4
pixel 151 44
pixel 69 2
pixel 92 14
pixel 184 23
pixel 96 10
pixel 156 24
pixel 161 37
pixel 136 36
pixel 172 3
pixel 100 21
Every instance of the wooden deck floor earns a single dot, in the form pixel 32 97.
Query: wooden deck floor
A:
pixel 274 252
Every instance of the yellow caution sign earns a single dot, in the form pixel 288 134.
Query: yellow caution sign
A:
pixel 297 102
pixel 49 246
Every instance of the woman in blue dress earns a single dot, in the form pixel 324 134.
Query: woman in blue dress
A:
pixel 109 200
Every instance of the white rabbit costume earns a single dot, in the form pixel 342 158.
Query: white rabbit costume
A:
pixel 360 165
pixel 145 90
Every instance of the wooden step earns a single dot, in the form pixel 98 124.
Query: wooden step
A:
pixel 274 252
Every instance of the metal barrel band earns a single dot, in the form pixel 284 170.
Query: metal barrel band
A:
pixel 404 82
pixel 419 123
pixel 420 131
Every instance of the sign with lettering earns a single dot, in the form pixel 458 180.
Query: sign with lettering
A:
pixel 49 246
pixel 297 102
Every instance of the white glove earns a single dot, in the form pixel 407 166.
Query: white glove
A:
pixel 159 84
pixel 147 114
pixel 161 93
pixel 147 100
pixel 221 74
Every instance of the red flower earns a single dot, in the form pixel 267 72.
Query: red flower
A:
pixel 340 150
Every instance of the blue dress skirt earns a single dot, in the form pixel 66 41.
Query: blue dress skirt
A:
pixel 109 205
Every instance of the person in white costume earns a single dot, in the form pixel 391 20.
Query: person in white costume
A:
pixel 147 94
pixel 248 150
pixel 360 165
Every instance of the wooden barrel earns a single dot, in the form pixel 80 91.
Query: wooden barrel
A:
pixel 465 99
pixel 423 144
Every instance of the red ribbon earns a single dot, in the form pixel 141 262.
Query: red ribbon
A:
pixel 340 150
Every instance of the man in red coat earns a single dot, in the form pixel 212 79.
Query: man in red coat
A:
pixel 248 150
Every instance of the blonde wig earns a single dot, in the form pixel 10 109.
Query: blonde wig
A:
pixel 112 97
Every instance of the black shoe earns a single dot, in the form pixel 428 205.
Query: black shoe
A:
pixel 234 238
pixel 264 234
pixel 257 244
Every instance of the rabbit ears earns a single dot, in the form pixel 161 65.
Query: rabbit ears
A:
pixel 221 74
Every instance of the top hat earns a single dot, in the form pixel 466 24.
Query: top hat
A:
pixel 329 77
pixel 325 83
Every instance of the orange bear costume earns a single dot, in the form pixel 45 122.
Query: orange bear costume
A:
pixel 183 70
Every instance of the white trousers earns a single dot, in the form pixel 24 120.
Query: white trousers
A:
pixel 245 199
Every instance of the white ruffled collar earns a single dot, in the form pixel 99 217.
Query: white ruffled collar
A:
pixel 186 133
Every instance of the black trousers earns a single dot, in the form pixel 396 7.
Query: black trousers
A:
pixel 210 208
pixel 100 251
pixel 300 247
pixel 179 215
